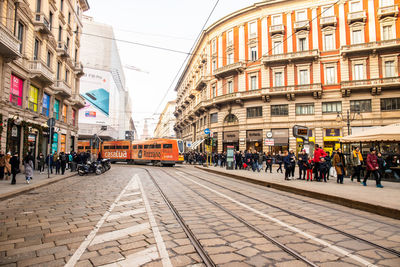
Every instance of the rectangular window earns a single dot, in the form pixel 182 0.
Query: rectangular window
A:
pixel 330 76
pixel 389 69
pixel 386 3
pixel 58 70
pixel 253 82
pixel 355 6
pixel 214 91
pixel 56 109
pixel 357 37
pixel 46 105
pixel 140 146
pixel 166 146
pixel 390 104
pixel 387 32
pixel 277 20
pixel 64 113
pixel 230 58
pixel 301 15
pixel 253 53
pixel 332 107
pixel 36 50
pixel 305 109
pixel 303 44
pixel 16 88
pixel 253 29
pixel 304 77
pixel 329 42
pixel 277 47
pixel 33 99
pixel 21 36
pixel 134 147
pixel 358 72
pixel 230 38
pixel 279 110
pixel 230 87
pixel 254 112
pixel 214 46
pixel 38 6
pixel 51 20
pixel 69 17
pixel 327 11
pixel 59 33
pixel 278 79
pixel 214 118
pixel 67 76
pixel 214 65
pixel 360 105
pixel 73 117
pixel 49 56
pixel 61 5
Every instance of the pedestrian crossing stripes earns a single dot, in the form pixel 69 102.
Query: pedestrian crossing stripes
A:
pixel 114 235
pixel 120 215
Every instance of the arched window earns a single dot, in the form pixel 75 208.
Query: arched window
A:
pixel 231 119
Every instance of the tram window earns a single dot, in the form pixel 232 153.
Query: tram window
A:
pixel 146 146
pixel 140 146
pixel 125 147
pixel 167 146
pixel 151 146
pixel 87 147
pixel 80 147
pixel 119 147
pixel 158 146
pixel 112 147
pixel 106 147
pixel 134 147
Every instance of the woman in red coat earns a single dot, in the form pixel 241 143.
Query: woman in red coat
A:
pixel 372 168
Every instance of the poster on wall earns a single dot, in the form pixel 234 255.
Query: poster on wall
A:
pixel 95 89
pixel 16 87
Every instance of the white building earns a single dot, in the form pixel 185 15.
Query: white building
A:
pixel 165 125
pixel 108 102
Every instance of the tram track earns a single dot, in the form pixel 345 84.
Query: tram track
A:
pixel 199 248
pixel 389 250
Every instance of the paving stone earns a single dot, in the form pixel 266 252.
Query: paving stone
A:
pixel 247 252
pixel 319 256
pixel 35 260
pixel 226 258
pixel 181 260
pixel 212 242
pixel 240 244
pixel 184 249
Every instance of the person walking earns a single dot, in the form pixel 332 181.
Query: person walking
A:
pixel 40 160
pixel 318 153
pixel 286 165
pixel 2 164
pixel 278 160
pixel 268 161
pixel 339 165
pixel 356 159
pixel 63 162
pixel 292 163
pixel 303 163
pixel 28 165
pixel 56 162
pixel 372 168
pixel 7 166
pixel 14 163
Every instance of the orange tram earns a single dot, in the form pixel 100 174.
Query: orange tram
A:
pixel 165 152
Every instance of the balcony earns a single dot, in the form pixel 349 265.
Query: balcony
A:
pixel 63 89
pixel 328 21
pixel 230 70
pixel 42 23
pixel 78 68
pixel 389 82
pixel 62 49
pixel 78 101
pixel 371 47
pixel 9 45
pixel 291 90
pixel 386 11
pixel 291 57
pixel 357 16
pixel 302 25
pixel 41 71
pixel 201 83
pixel 275 29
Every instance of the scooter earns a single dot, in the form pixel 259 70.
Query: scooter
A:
pixel 90 167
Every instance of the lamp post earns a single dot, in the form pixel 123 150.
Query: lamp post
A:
pixel 350 116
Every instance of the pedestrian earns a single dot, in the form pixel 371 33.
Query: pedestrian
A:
pixel 14 163
pixel 40 160
pixel 356 160
pixel 392 163
pixel 286 165
pixel 338 163
pixel 63 162
pixel 70 160
pixel 382 164
pixel 293 162
pixel 7 167
pixel 278 160
pixel 2 164
pixel 56 162
pixel 372 168
pixel 310 168
pixel 28 165
pixel 318 153
pixel 302 162
pixel 268 162
pixel 323 169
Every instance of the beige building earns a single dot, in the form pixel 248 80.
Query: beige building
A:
pixel 166 122
pixel 263 69
pixel 39 73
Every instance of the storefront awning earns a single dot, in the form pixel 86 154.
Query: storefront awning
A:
pixel 197 143
pixel 385 133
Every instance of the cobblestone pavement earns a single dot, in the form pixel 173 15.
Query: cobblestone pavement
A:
pixel 120 219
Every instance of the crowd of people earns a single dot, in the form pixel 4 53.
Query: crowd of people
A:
pixel 55 162
pixel 321 166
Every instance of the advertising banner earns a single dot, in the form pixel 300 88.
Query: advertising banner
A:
pixel 16 90
pixel 95 89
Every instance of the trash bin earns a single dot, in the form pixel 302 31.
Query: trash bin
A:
pixel 73 166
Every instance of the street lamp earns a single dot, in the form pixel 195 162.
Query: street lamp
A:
pixel 351 116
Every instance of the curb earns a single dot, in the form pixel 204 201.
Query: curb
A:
pixel 351 203
pixel 45 182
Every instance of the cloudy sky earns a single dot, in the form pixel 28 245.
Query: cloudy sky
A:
pixel 172 24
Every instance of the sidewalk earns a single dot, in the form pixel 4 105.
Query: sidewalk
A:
pixel 383 201
pixel 8 190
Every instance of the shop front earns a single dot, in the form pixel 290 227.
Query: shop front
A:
pixel 54 145
pixel 13 138
pixel 281 140
pixel 331 139
pixel 254 140
pixel 231 139
pixel 311 140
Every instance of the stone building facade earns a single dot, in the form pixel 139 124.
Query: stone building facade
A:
pixel 166 122
pixel 39 73
pixel 276 64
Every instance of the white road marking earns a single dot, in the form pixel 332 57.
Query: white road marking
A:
pixel 129 202
pixel 157 235
pixel 114 235
pixel 294 229
pixel 137 259
pixel 78 253
pixel 133 186
pixel 132 194
pixel 119 215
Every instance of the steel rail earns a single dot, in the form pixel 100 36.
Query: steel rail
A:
pixel 389 250
pixel 195 242
pixel 252 227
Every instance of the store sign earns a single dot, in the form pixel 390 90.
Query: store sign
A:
pixel 14 131
pixel 332 132
pixel 280 136
pixel 269 142
pixel 254 136
pixel 32 138
pixel 231 136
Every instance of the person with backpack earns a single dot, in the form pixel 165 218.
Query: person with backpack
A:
pixel 63 162
pixel 279 161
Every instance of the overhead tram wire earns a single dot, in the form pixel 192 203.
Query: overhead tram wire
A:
pixel 189 54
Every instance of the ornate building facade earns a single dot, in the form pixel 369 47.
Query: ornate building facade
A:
pixel 329 65
pixel 39 73
pixel 165 125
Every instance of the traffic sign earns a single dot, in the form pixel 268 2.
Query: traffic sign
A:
pixel 207 131
pixel 51 122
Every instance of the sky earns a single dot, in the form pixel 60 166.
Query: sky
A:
pixel 172 24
